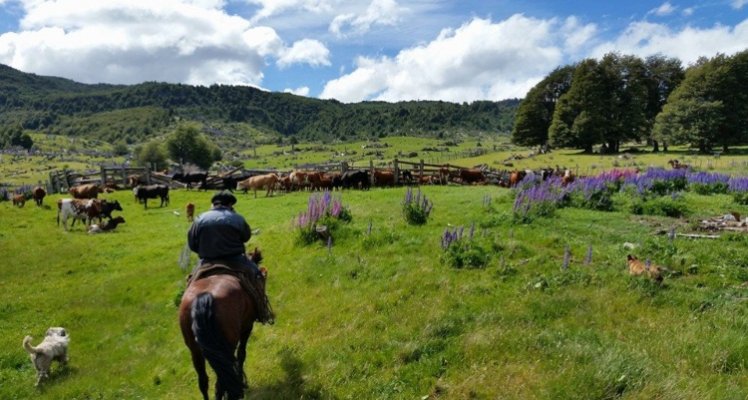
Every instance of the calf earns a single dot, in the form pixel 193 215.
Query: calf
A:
pixel 19 200
pixel 38 195
pixel 107 226
pixel 190 210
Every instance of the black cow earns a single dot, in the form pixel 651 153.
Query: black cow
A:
pixel 352 179
pixel 191 177
pixel 107 207
pixel 143 193
pixel 229 182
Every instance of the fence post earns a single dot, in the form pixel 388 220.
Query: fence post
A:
pixel 371 172
pixel 396 167
pixel 420 171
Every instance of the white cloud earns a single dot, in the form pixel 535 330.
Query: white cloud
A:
pixel 301 91
pixel 270 8
pixel 479 60
pixel 688 44
pixel 130 41
pixel 738 4
pixel 575 35
pixel 308 51
pixel 379 12
pixel 665 9
pixel 687 12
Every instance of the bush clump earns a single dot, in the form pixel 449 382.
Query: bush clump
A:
pixel 463 252
pixel 324 215
pixel 416 209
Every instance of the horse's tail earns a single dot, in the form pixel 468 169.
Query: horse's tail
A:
pixel 214 346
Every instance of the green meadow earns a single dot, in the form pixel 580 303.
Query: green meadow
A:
pixel 380 314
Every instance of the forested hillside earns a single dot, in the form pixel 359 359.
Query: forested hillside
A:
pixel 136 112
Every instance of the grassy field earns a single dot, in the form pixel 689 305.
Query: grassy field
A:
pixel 379 315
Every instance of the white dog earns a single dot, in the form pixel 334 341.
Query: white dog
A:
pixel 53 347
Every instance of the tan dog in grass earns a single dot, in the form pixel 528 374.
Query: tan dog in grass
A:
pixel 53 347
pixel 636 268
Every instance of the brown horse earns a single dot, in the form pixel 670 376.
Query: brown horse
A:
pixel 216 318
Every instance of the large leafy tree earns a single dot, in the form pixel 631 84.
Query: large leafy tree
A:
pixel 578 116
pixel 663 76
pixel 151 155
pixel 187 145
pixel 535 113
pixel 709 108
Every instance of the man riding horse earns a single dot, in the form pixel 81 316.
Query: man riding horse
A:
pixel 218 236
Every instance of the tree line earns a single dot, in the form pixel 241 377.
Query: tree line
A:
pixel 623 98
pixel 136 112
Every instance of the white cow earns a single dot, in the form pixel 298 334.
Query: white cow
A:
pixel 82 209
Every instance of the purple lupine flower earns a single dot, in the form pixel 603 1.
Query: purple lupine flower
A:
pixel 588 257
pixel 567 257
pixel 329 245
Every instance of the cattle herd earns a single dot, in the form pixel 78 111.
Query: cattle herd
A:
pixel 87 207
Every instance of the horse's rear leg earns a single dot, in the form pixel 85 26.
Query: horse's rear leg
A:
pixel 241 355
pixel 198 362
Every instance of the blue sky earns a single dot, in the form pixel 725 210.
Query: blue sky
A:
pixel 354 50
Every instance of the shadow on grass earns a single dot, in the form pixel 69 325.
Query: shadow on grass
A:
pixel 56 377
pixel 293 387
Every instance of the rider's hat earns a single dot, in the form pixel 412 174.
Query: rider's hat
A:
pixel 224 197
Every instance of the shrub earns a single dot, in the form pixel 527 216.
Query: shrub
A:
pixel 668 206
pixel 322 210
pixel 463 253
pixel 416 209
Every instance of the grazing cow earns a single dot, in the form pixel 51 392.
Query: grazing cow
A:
pixel 82 209
pixel 298 179
pixel 356 179
pixel 191 177
pixel 38 195
pixel 637 268
pixel 258 182
pixel 190 211
pixel 87 191
pixel 470 176
pixel 319 181
pixel 516 177
pixel 285 182
pixel 567 178
pixel 143 193
pixel 106 226
pixel 384 178
pixel 19 200
pixel 677 164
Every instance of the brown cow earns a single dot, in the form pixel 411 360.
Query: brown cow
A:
pixel 384 178
pixel 19 200
pixel 470 176
pixel 38 195
pixel 298 179
pixel 259 182
pixel 677 164
pixel 319 181
pixel 515 177
pixel 190 211
pixel 87 191
pixel 567 178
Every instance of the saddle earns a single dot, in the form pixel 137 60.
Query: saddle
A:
pixel 254 285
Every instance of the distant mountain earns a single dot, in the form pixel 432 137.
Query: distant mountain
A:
pixel 135 112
